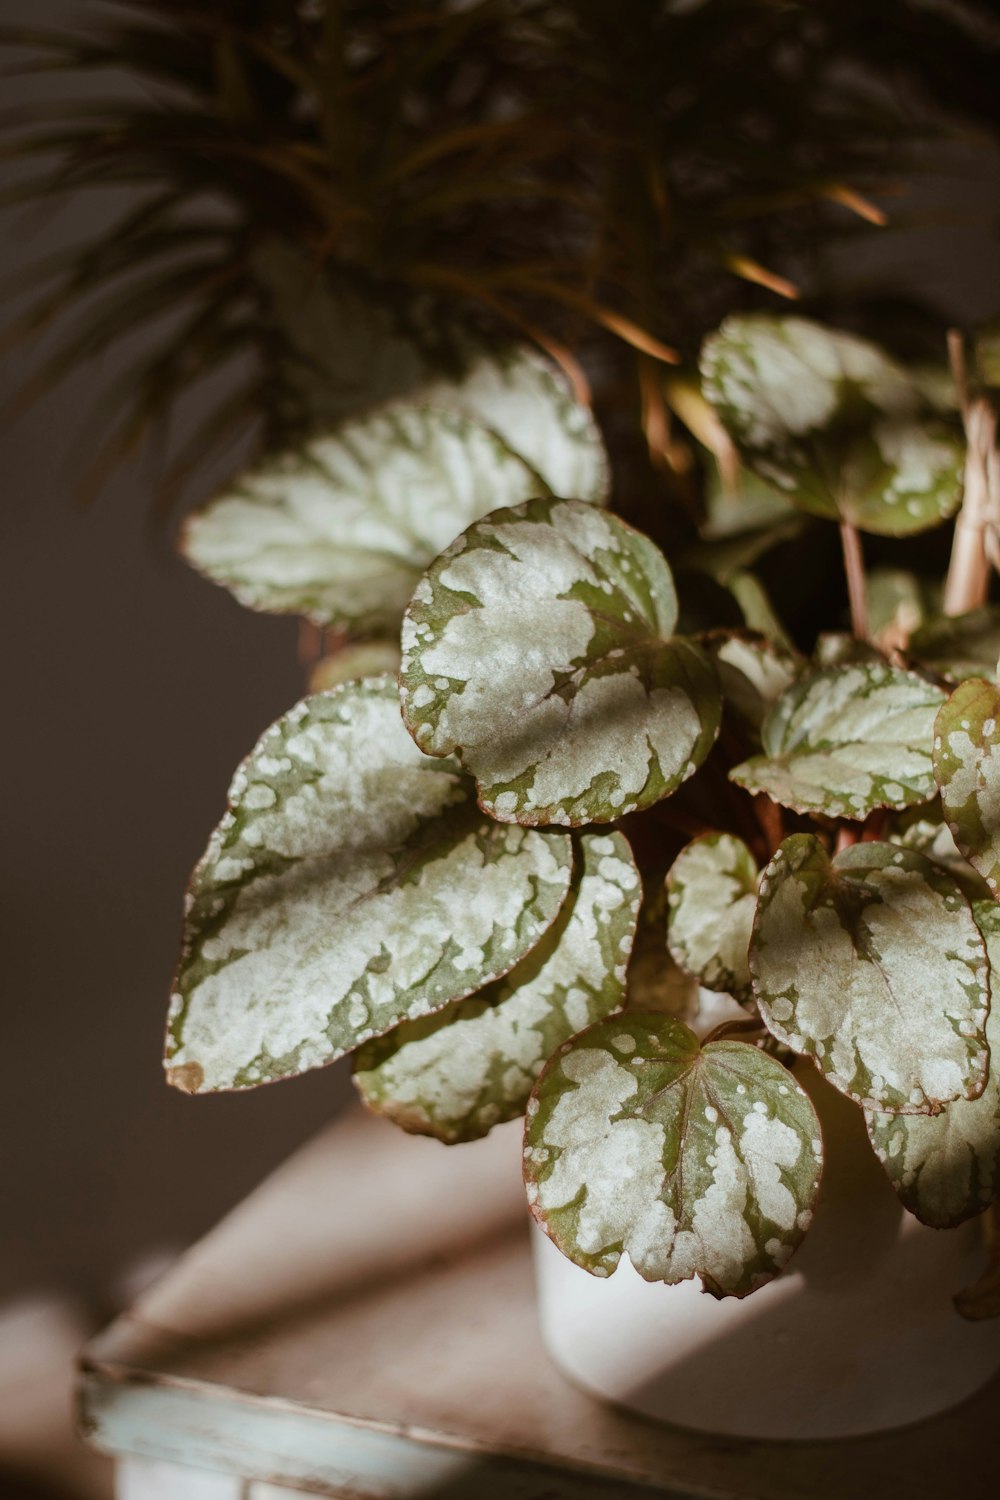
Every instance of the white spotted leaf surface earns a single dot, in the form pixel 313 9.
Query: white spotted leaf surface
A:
pixel 353 884
pixel 712 893
pixel 960 646
pixel 528 401
pixel 945 1167
pixel 873 965
pixel 846 740
pixel 691 1160
pixel 833 423
pixel 967 766
pixel 341 529
pixel 754 672
pixel 539 650
pixel 459 1072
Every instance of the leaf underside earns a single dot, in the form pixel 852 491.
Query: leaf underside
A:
pixel 693 1161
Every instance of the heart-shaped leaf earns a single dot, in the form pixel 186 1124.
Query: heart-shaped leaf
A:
pixel 753 671
pixel 713 897
pixel 539 649
pixel 960 646
pixel 458 1073
pixel 845 740
pixel 528 402
pixel 341 529
pixel 833 423
pixel 693 1161
pixel 967 766
pixel 873 965
pixel 353 884
pixel 946 1167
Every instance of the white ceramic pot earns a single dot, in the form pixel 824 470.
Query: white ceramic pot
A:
pixel 858 1335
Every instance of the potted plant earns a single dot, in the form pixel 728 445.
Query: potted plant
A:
pixel 601 819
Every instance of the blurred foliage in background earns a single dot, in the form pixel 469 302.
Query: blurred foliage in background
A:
pixel 311 182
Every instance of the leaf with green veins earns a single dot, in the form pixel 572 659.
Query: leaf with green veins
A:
pixel 693 1161
pixel 712 889
pixel 528 401
pixel 960 646
pixel 539 649
pixel 833 423
pixel 459 1072
pixel 873 965
pixel 341 529
pixel 846 740
pixel 753 671
pixel 352 885
pixel 946 1167
pixel 967 767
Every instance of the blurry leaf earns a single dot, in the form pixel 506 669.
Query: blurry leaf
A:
pixel 712 889
pixel 960 646
pixel 967 767
pixel 753 671
pixel 361 659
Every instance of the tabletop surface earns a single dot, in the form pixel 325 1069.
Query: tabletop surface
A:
pixel 363 1325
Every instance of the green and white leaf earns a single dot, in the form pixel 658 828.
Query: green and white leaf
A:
pixel 353 884
pixel 712 889
pixel 539 649
pixel 967 766
pixel 838 648
pixel 753 671
pixel 693 1161
pixel 833 423
pixel 845 740
pixel 960 646
pixel 459 1072
pixel 873 965
pixel 354 660
pixel 758 612
pixel 926 831
pixel 529 403
pixel 899 603
pixel 946 1167
pixel 341 529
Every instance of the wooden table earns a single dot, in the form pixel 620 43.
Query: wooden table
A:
pixel 363 1326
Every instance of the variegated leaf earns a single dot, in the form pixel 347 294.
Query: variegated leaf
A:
pixel 960 646
pixel 873 965
pixel 832 422
pixel 713 897
pixel 459 1072
pixel 845 740
pixel 693 1161
pixel 353 884
pixel 967 766
pixel 358 659
pixel 528 401
pixel 838 648
pixel 753 671
pixel 341 530
pixel 539 649
pixel 946 1167
pixel 925 830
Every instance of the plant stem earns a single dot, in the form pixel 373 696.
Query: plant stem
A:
pixel 854 568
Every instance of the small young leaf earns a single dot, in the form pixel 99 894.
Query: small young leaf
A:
pixel 341 530
pixel 830 421
pixel 458 1073
pixel 753 672
pixel 524 398
pixel 960 646
pixel 539 649
pixel 967 767
pixel 693 1161
pixel 873 965
pixel 945 1167
pixel 845 740
pixel 353 884
pixel 713 897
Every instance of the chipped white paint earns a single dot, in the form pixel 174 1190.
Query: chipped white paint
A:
pixel 712 889
pixel 545 637
pixel 874 966
pixel 693 1162
pixel 460 1072
pixel 341 530
pixel 845 740
pixel 833 423
pixel 371 890
pixel 967 767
